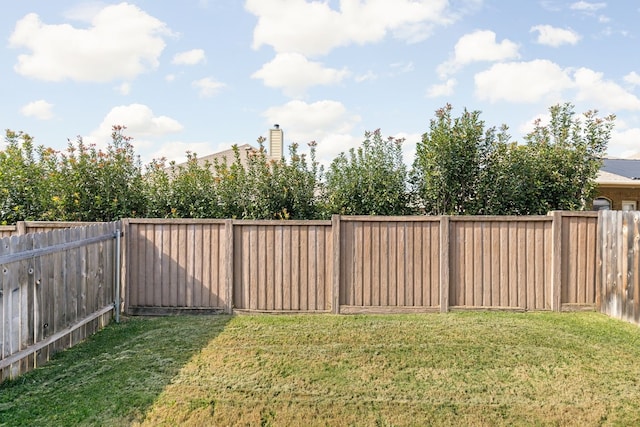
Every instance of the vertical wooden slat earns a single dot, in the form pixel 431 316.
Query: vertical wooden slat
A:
pixel 436 249
pixel 287 268
pixel 401 256
pixel 278 268
pixel 270 259
pixel 338 281
pixel 228 267
pixel 393 264
pixel 375 283
pixel 502 297
pixel 444 264
pixel 417 264
pixel 156 266
pixel 304 268
pixel 472 293
pixel 383 260
pixel 165 266
pixel 321 275
pixel 635 273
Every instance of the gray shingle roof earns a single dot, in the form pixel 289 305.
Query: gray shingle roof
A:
pixel 629 168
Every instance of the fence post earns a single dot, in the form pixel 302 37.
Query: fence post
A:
pixel 444 264
pixel 124 270
pixel 335 291
pixel 556 260
pixel 228 260
pixel 21 228
pixel 599 264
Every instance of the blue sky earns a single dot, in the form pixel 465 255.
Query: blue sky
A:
pixel 200 75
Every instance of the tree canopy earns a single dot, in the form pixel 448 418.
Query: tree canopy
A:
pixel 461 167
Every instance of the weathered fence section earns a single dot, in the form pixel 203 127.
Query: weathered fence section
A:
pixel 355 264
pixel 501 262
pixel 282 265
pixel 56 288
pixel 579 259
pixel 619 256
pixel 176 265
pixel 390 262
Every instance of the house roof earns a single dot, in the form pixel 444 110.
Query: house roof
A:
pixel 224 156
pixel 624 172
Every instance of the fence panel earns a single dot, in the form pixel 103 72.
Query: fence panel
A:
pixel 389 262
pixel 579 262
pixel 50 296
pixel 619 259
pixel 500 262
pixel 282 266
pixel 175 265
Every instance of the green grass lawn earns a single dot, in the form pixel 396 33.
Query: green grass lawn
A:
pixel 475 368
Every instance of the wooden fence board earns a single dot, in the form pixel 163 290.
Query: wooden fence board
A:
pixel 47 287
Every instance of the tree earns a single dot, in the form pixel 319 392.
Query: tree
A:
pixel 448 167
pixel 463 168
pixel 267 188
pixel 97 185
pixel 370 180
pixel 569 154
pixel 25 193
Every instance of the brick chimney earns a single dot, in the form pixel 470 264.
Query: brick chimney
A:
pixel 276 141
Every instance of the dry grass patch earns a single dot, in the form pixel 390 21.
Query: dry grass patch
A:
pixel 463 368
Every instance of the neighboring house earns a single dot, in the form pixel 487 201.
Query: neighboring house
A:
pixel 618 185
pixel 276 142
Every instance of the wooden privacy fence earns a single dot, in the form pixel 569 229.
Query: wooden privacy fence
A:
pixel 355 264
pixel 619 254
pixel 56 288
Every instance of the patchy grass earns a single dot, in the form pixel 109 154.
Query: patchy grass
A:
pixel 112 378
pixel 455 369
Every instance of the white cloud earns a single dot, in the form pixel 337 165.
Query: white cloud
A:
pixel 624 143
pixel 294 73
pixel 632 78
pixel 478 46
pixel 190 57
pixel 176 151
pixel 84 11
pixel 552 36
pixel 314 28
pixel 122 42
pixel 402 67
pixel 326 122
pixel 124 88
pixel 170 77
pixel 522 81
pixel 528 126
pixel 208 86
pixel 444 89
pixel 587 7
pixel 40 109
pixel 139 120
pixel 368 76
pixel 605 94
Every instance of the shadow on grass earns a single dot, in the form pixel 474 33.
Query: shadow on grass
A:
pixel 113 377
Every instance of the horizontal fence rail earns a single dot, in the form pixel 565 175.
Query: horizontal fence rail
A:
pixel 56 288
